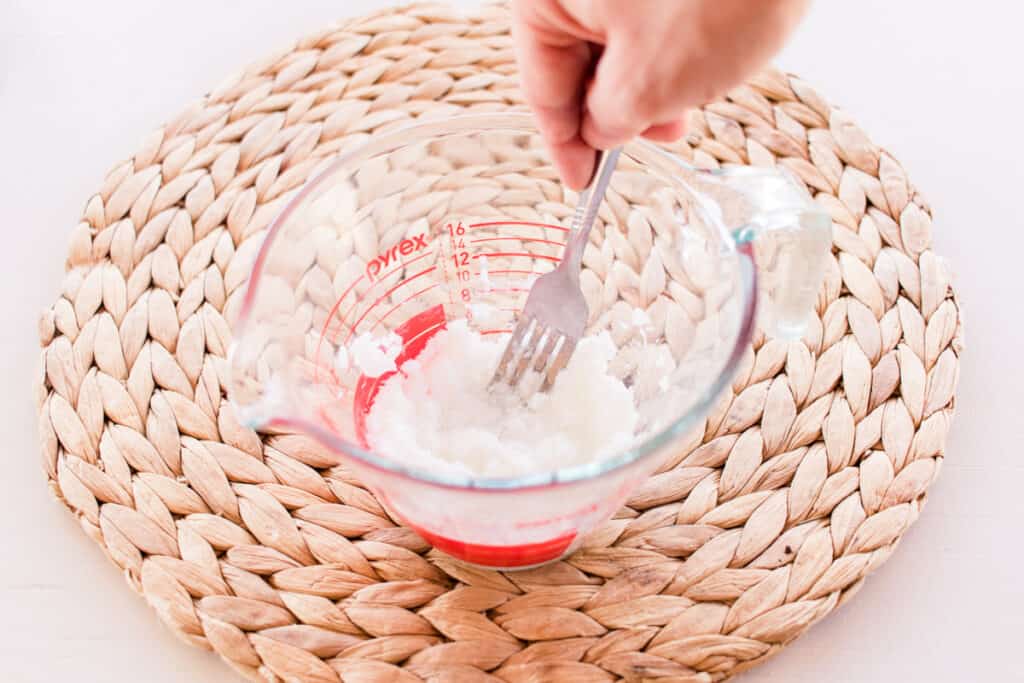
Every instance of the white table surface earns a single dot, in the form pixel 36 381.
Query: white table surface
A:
pixel 938 83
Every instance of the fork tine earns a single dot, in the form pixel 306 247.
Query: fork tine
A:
pixel 522 327
pixel 556 312
pixel 561 360
pixel 529 351
pixel 544 355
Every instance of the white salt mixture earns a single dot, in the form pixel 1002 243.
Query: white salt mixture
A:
pixel 438 413
pixel 374 356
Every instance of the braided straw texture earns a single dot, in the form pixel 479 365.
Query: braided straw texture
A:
pixel 261 549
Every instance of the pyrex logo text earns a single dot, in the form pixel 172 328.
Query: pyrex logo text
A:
pixel 403 248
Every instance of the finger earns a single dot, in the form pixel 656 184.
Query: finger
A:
pixel 666 132
pixel 554 68
pixel 574 161
pixel 616 108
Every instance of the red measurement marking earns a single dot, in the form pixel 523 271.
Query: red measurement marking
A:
pixel 518 239
pixel 402 303
pixel 513 272
pixel 487 332
pixel 343 320
pixel 323 332
pixel 385 295
pixel 506 290
pixel 534 224
pixel 556 259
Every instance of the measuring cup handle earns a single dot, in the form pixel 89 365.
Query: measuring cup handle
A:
pixel 791 237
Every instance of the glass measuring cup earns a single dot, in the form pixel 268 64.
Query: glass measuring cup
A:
pixel 451 220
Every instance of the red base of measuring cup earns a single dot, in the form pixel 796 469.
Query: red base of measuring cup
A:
pixel 500 556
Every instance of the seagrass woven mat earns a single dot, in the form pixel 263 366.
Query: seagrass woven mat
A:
pixel 261 549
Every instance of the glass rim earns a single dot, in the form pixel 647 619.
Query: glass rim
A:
pixel 637 451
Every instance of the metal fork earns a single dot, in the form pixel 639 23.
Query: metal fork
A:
pixel 556 312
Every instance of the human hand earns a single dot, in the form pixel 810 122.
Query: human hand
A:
pixel 598 73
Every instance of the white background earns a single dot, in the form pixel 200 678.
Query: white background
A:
pixel 938 83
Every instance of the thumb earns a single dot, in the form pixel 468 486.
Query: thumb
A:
pixel 618 107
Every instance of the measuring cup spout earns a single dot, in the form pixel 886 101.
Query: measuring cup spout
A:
pixel 256 390
pixel 789 237
pixel 266 362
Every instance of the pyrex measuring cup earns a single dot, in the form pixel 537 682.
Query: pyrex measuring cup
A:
pixel 452 220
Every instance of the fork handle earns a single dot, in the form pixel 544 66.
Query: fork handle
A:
pixel 586 209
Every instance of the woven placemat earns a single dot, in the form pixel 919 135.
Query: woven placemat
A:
pixel 258 548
